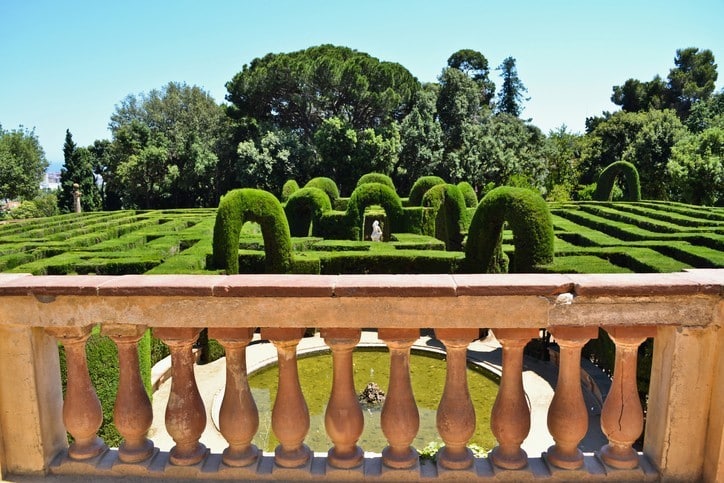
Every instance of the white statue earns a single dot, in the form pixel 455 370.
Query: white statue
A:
pixel 376 231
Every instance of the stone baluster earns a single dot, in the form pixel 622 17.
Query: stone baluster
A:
pixel 82 412
pixel 132 413
pixel 185 412
pixel 238 415
pixel 343 418
pixel 290 415
pixel 400 419
pixel 455 413
pixel 568 415
pixel 622 418
pixel 510 418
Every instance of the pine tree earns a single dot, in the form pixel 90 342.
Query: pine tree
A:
pixel 511 95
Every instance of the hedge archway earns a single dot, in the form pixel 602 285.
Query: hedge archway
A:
pixel 469 195
pixel 376 178
pixel 528 216
pixel 604 185
pixel 449 206
pixel 289 188
pixel 325 184
pixel 248 204
pixel 421 186
pixel 373 194
pixel 305 207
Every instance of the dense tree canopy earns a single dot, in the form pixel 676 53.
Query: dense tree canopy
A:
pixel 77 169
pixel 22 164
pixel 512 91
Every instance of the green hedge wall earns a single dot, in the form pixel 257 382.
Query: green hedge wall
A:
pixel 373 194
pixel 607 178
pixel 325 184
pixel 529 218
pixel 420 187
pixel 248 204
pixel 304 208
pixel 449 206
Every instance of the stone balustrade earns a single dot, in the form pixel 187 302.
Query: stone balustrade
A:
pixel 684 430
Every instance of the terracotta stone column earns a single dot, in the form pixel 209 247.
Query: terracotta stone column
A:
pixel 456 414
pixel 185 412
pixel 622 418
pixel 568 415
pixel 343 418
pixel 238 415
pixel 132 413
pixel 82 412
pixel 400 419
pixel 290 415
pixel 510 418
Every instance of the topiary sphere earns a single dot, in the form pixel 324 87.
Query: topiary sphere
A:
pixel 325 184
pixel 420 188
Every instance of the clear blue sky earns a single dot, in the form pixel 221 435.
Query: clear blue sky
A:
pixel 67 64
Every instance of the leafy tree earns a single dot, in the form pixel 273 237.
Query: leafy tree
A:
pixel 512 92
pixel 474 64
pixel 183 122
pixel 300 90
pixel 707 113
pixel 697 167
pixel 22 164
pixel 421 141
pixel 563 156
pixel 458 104
pixel 693 78
pixel 77 168
pixel 635 96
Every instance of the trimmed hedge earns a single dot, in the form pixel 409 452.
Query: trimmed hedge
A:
pixel 373 194
pixel 450 213
pixel 289 188
pixel 248 204
pixel 607 178
pixel 376 178
pixel 325 184
pixel 471 198
pixel 528 216
pixel 420 187
pixel 305 207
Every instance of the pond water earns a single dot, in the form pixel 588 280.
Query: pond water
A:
pixel 427 372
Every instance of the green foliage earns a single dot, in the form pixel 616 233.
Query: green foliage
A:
pixel 512 91
pixel 22 164
pixel 607 178
pixel 78 168
pixel 305 207
pixel 290 186
pixel 43 205
pixel 325 184
pixel 373 194
pixel 449 205
pixel 529 218
pixel 376 178
pixel 469 195
pixel 247 204
pixel 474 65
pixel 697 168
pixel 421 186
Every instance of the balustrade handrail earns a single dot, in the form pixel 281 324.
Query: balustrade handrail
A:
pixel 684 312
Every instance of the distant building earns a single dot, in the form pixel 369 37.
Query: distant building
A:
pixel 51 182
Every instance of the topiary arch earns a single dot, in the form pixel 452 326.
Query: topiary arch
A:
pixel 304 207
pixel 527 214
pixel 449 205
pixel 421 186
pixel 288 189
pixel 376 178
pixel 604 185
pixel 248 204
pixel 325 184
pixel 469 195
pixel 373 194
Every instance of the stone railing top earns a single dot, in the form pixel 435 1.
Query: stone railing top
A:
pixel 691 282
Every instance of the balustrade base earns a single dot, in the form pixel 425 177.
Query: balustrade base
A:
pixel 212 469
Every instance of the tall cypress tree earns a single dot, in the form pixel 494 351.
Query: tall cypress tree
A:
pixel 77 168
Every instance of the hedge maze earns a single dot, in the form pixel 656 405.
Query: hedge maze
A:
pixel 332 237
